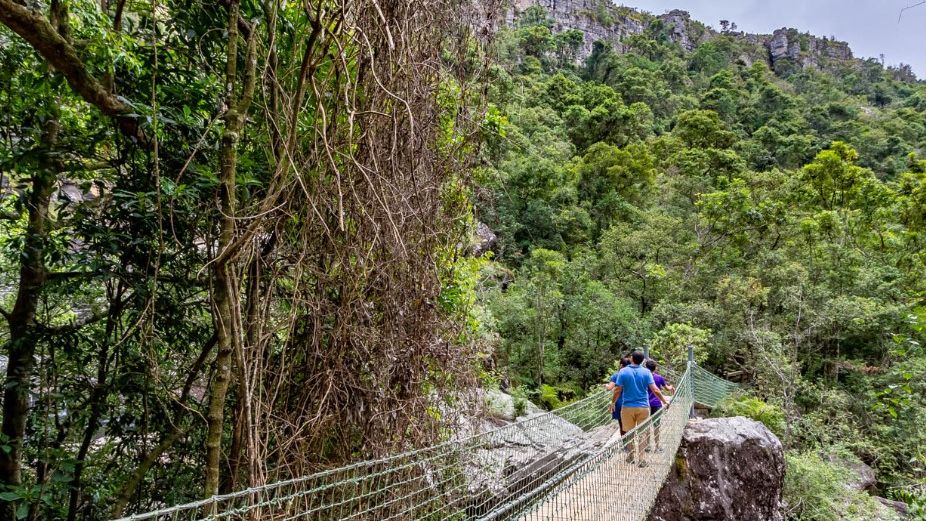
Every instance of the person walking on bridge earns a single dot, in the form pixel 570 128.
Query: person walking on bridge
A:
pixel 633 385
pixel 654 403
pixel 612 383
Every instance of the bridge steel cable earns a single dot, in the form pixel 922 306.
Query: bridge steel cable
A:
pixel 570 464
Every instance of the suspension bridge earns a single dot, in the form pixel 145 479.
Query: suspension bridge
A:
pixel 570 464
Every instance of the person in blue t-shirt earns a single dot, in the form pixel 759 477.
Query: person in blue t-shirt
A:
pixel 633 384
pixel 612 383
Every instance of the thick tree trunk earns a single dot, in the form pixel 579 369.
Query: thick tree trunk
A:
pixel 44 35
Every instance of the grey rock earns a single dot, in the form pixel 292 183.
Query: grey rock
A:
pixel 526 453
pixel 598 20
pixel 602 20
pixel 503 406
pixel 899 507
pixel 680 23
pixel 726 469
pixel 863 477
pixel 806 50
pixel 71 192
pixel 485 241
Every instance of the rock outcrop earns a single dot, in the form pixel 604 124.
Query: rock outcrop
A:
pixel 598 20
pixel 503 406
pixel 602 20
pixel 894 507
pixel 727 469
pixel 804 50
pixel 682 32
pixel 485 240
pixel 862 478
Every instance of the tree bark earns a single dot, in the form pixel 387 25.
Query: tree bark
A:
pixel 22 326
pixel 225 298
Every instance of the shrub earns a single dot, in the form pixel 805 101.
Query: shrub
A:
pixel 549 397
pixel 520 401
pixel 751 407
pixel 818 490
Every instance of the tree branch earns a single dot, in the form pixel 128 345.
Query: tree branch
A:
pixel 67 275
pixel 38 31
pixel 899 16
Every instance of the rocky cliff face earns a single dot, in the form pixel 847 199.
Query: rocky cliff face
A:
pixel 603 20
pixel 727 469
pixel 599 20
pixel 805 50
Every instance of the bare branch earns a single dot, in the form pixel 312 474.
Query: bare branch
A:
pixel 899 16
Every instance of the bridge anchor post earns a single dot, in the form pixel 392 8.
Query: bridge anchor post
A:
pixel 691 363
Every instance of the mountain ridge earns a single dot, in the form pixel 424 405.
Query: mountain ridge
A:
pixel 784 49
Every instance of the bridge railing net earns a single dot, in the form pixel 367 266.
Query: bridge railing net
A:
pixel 710 389
pixel 622 480
pixel 571 463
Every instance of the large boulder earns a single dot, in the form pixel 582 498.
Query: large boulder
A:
pixel 726 469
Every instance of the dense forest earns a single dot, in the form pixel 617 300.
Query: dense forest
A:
pixel 226 232
pixel 236 240
pixel 774 219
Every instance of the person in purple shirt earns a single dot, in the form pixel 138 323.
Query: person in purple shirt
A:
pixel 654 403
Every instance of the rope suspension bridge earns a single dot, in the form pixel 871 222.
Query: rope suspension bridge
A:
pixel 571 464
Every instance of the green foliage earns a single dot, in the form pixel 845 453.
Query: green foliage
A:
pixel 520 400
pixel 703 129
pixel 751 407
pixel 915 498
pixel 549 397
pixel 671 343
pixel 818 490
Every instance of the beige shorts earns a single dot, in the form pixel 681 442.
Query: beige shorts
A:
pixel 633 416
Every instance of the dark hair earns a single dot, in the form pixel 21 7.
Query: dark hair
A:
pixel 625 361
pixel 651 365
pixel 637 357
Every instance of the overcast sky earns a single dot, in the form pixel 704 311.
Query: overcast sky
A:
pixel 870 26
